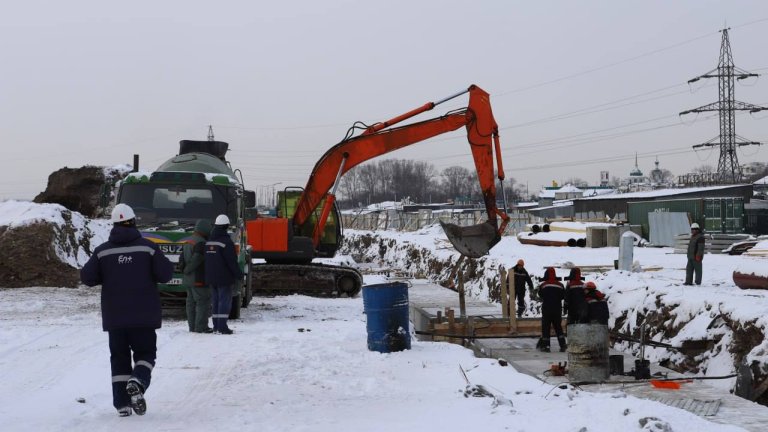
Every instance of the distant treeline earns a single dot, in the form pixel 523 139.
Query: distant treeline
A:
pixel 421 182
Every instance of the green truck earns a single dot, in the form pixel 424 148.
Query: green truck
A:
pixel 198 183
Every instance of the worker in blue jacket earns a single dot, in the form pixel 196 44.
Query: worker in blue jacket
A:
pixel 128 268
pixel 221 273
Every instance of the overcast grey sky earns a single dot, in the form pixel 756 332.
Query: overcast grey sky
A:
pixel 93 82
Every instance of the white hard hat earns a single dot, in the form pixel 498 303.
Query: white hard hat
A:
pixel 221 219
pixel 122 213
pixel 695 226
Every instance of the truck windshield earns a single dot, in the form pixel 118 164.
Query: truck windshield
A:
pixel 162 203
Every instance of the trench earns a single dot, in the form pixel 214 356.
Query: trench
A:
pixel 728 340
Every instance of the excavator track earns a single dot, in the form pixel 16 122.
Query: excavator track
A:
pixel 316 280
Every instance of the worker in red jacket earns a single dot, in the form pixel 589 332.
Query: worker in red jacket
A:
pixel 598 307
pixel 575 306
pixel 551 293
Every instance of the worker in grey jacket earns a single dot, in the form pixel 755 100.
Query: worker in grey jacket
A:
pixel 192 265
pixel 695 255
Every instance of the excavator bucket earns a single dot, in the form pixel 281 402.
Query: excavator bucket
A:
pixel 472 241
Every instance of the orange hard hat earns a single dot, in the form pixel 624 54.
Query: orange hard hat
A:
pixel 590 285
pixel 520 262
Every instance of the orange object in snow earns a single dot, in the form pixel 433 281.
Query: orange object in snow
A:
pixel 672 385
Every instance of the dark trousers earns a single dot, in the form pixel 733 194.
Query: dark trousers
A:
pixel 551 318
pixel 221 302
pixel 142 344
pixel 198 307
pixel 520 296
pixel 692 267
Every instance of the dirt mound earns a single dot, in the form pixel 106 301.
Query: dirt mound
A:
pixel 28 258
pixel 86 190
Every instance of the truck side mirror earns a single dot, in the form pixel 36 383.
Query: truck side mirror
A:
pixel 250 198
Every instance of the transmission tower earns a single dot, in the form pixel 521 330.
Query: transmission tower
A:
pixel 210 133
pixel 728 168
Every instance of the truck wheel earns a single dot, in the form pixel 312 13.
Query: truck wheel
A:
pixel 247 291
pixel 234 313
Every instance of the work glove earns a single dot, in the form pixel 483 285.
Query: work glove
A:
pixel 698 258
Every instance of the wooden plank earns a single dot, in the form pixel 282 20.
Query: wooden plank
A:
pixel 504 292
pixel 512 302
pixel 462 299
pixel 490 327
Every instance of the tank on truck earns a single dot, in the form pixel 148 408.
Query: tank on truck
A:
pixel 198 183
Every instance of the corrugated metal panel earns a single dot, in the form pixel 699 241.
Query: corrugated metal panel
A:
pixel 702 408
pixel 664 226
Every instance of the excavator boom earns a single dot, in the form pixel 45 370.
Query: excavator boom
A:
pixel 381 138
pixel 289 242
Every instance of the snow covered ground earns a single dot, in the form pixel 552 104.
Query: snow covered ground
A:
pixel 301 364
pixel 294 364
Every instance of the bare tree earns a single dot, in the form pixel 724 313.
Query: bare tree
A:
pixel 454 181
pixel 351 188
pixel 703 169
pixel 667 176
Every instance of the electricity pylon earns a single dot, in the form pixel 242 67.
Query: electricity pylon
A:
pixel 728 168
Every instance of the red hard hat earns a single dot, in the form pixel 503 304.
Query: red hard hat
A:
pixel 590 285
pixel 520 262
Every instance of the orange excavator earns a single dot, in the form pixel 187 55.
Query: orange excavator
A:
pixel 308 225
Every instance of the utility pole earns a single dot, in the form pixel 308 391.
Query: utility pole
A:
pixel 728 168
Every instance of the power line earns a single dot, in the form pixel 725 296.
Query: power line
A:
pixel 592 110
pixel 610 65
pixel 592 161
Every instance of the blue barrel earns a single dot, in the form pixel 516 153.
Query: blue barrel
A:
pixel 386 309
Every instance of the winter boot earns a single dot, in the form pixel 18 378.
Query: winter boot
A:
pixel 563 344
pixel 136 391
pixel 124 411
pixel 543 345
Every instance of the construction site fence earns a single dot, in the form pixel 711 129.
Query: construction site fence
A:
pixel 413 221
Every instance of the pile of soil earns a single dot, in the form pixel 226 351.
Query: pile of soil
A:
pixel 28 258
pixel 86 190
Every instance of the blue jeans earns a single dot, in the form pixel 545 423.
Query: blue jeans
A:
pixel 221 302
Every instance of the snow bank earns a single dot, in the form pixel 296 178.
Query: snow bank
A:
pixel 757 266
pixel 734 320
pixel 35 238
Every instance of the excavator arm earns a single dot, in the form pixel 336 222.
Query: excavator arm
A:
pixel 381 138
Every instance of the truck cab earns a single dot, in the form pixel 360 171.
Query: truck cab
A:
pixel 198 183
